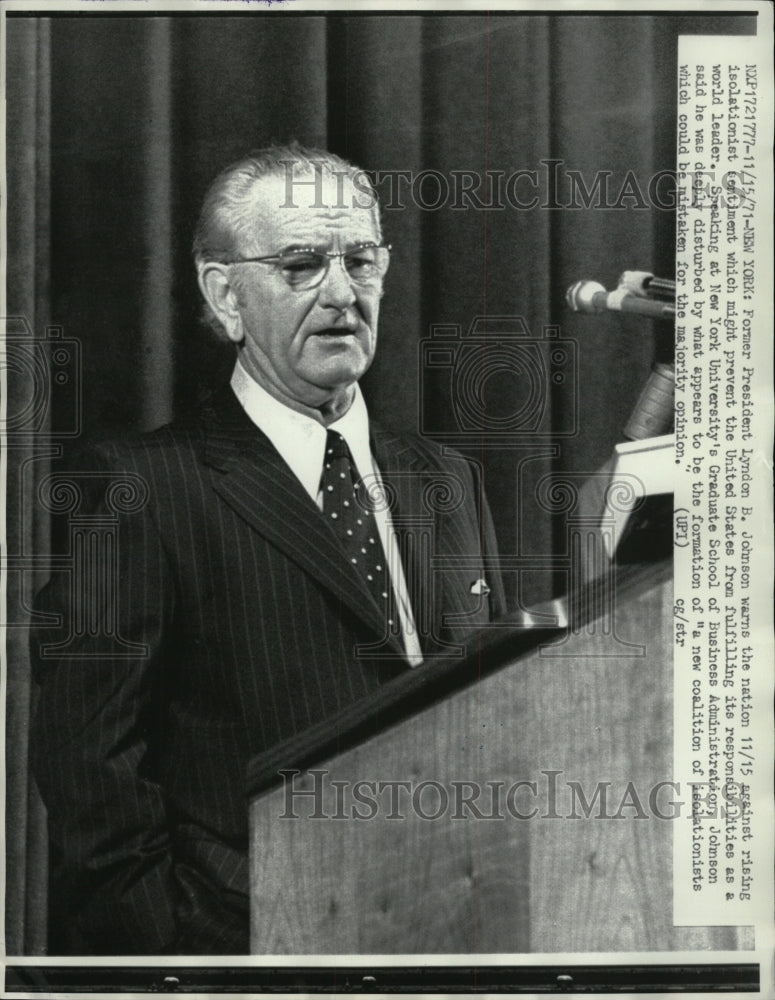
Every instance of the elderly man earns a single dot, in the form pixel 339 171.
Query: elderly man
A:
pixel 270 575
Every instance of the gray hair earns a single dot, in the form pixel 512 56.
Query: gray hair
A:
pixel 226 208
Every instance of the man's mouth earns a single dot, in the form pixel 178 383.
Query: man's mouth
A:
pixel 335 331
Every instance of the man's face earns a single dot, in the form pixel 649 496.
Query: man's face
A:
pixel 306 347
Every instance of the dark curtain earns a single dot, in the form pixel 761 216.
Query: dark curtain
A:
pixel 117 124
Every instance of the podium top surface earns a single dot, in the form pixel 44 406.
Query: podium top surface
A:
pixel 412 691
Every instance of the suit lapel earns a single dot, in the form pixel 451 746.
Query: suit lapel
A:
pixel 407 475
pixel 254 480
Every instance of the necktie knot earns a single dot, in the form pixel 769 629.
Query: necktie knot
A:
pixel 336 448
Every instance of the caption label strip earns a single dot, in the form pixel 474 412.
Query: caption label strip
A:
pixel 721 854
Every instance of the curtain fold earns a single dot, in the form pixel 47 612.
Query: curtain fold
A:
pixel 606 122
pixel 485 268
pixel 156 317
pixel 117 124
pixel 375 97
pixel 27 458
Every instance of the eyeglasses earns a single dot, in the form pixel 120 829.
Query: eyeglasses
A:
pixel 305 269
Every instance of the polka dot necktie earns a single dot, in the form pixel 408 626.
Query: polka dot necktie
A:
pixel 347 508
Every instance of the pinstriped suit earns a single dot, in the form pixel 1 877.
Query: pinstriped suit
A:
pixel 234 583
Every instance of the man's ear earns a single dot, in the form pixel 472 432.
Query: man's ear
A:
pixel 222 298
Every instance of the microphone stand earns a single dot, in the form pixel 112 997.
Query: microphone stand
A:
pixel 654 411
pixel 637 502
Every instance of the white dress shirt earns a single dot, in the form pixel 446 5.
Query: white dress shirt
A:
pixel 301 442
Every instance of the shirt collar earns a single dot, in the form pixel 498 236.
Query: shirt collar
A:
pixel 301 440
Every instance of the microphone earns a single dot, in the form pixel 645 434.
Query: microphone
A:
pixel 591 297
pixel 646 285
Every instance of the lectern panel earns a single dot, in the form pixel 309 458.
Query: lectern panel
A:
pixel 526 811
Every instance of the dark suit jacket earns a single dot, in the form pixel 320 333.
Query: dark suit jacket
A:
pixel 223 620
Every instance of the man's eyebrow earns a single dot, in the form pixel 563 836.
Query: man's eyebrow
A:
pixel 295 247
pixel 325 247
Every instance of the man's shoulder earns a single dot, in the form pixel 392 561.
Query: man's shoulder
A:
pixel 405 446
pixel 177 438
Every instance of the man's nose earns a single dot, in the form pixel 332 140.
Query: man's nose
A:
pixel 336 289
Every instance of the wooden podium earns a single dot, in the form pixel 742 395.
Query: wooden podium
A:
pixel 521 857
